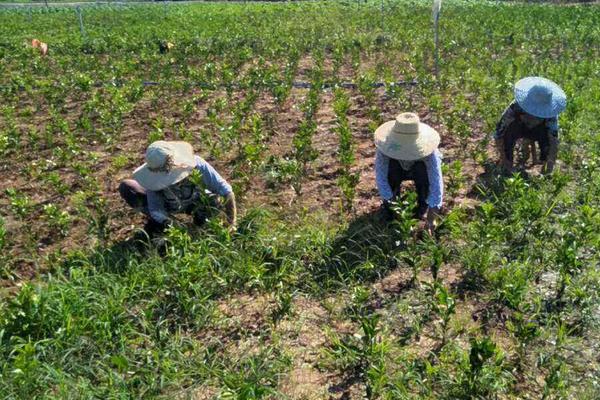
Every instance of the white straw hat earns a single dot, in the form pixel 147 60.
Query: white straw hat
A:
pixel 406 138
pixel 166 164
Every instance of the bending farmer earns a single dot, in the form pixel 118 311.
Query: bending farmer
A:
pixel 163 186
pixel 533 117
pixel 408 150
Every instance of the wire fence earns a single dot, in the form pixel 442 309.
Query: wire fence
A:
pixel 240 86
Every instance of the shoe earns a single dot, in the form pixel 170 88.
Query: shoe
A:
pixel 153 228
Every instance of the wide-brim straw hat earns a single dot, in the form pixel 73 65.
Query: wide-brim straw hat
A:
pixel 406 138
pixel 167 163
pixel 540 97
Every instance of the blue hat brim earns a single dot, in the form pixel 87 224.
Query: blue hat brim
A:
pixel 559 98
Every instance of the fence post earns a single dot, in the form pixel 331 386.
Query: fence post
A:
pixel 382 15
pixel 80 18
pixel 437 6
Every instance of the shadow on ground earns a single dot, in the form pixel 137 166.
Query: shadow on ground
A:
pixel 362 253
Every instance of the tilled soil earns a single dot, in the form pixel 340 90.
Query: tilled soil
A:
pixel 32 240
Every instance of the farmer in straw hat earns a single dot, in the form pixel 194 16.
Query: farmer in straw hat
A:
pixel 533 116
pixel 163 186
pixel 407 149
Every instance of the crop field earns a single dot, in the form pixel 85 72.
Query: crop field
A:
pixel 314 296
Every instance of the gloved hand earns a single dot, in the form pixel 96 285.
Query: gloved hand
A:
pixel 200 217
pixel 432 214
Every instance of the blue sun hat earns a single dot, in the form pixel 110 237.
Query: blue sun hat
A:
pixel 540 97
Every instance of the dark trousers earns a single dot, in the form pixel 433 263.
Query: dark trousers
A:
pixel 418 174
pixel 517 130
pixel 135 196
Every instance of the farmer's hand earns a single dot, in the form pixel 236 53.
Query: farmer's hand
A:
pixel 505 163
pixel 232 229
pixel 231 210
pixel 432 213
pixel 548 166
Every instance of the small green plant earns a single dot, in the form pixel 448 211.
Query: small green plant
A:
pixel 20 204
pixel 284 304
pixel 157 132
pixel 444 306
pixel 281 171
pixel 525 330
pixel 57 219
pixel 253 376
pixel 347 180
pixel 569 262
pixel 366 87
pixel 303 151
pixel 3 234
pixel 55 181
pixel 437 253
pixel 404 223
pixel 119 162
pixel 456 178
pixel 510 284
pixel 414 260
pixel 363 355
pixel 484 374
pixel 95 209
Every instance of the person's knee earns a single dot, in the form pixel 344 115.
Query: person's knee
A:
pixel 126 188
pixel 130 192
pixel 123 189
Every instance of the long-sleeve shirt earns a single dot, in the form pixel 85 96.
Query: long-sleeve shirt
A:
pixel 513 111
pixel 433 163
pixel 180 196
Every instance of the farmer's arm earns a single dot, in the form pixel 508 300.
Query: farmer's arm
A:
pixel 382 165
pixel 156 207
pixel 433 162
pixel 552 151
pixel 507 118
pixel 231 209
pixel 217 184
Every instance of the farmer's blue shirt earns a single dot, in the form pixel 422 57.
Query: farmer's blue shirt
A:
pixel 184 194
pixel 513 111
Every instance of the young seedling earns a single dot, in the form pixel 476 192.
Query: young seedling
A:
pixel 20 204
pixel 444 306
pixel 525 330
pixel 58 220
pixel 347 180
pixel 404 223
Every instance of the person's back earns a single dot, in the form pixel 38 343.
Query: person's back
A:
pixel 163 187
pixel 533 117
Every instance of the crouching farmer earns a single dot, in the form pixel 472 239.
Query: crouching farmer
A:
pixel 532 117
pixel 407 150
pixel 163 187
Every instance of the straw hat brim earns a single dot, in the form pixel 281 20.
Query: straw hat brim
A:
pixel 407 147
pixel 184 163
pixel 559 98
